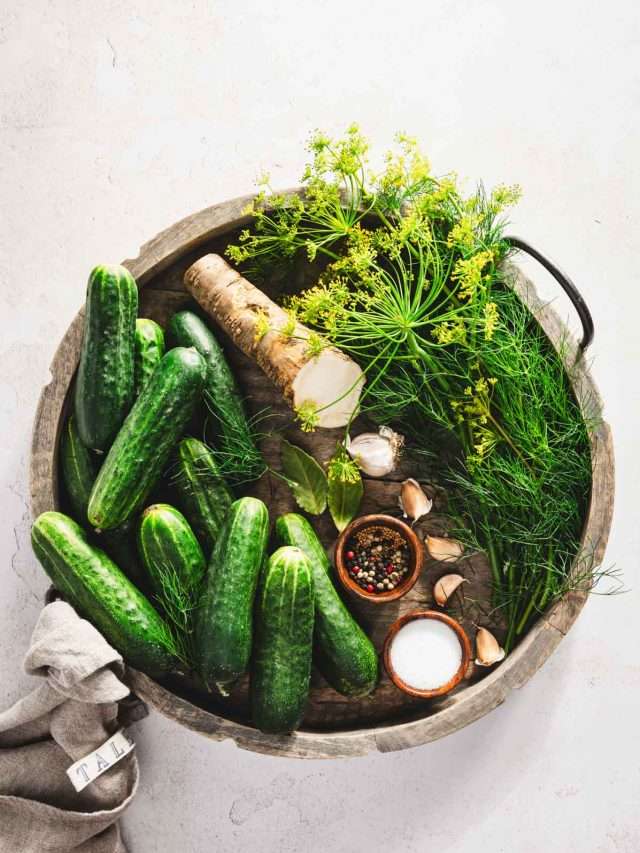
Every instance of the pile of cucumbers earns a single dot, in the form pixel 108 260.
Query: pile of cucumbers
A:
pixel 189 587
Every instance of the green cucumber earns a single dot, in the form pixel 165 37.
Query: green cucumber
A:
pixel 104 387
pixel 79 468
pixel 143 445
pixel 202 493
pixel 120 545
pixel 224 618
pixel 284 639
pixel 234 436
pixel 342 651
pixel 99 590
pixel 149 349
pixel 169 549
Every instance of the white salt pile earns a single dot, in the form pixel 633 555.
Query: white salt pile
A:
pixel 425 654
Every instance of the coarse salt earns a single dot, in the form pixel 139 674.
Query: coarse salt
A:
pixel 425 653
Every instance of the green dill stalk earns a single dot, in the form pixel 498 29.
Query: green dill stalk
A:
pixel 412 289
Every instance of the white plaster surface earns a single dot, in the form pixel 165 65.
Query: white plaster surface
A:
pixel 118 118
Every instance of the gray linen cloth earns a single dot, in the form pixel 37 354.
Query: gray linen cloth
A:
pixel 72 712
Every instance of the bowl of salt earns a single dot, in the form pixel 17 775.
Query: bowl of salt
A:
pixel 426 653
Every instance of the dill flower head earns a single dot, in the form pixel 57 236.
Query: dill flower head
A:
pixel 307 416
pixel 468 272
pixel 342 468
pixel 261 327
pixel 490 320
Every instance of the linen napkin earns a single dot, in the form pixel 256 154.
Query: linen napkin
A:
pixel 73 712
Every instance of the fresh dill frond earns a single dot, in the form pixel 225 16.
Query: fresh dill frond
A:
pixel 235 440
pixel 413 288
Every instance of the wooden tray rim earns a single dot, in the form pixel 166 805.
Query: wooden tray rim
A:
pixel 458 710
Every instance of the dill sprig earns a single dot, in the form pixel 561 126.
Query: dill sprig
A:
pixel 236 440
pixel 413 289
pixel 177 599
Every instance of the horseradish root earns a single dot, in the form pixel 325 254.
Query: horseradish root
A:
pixel 320 383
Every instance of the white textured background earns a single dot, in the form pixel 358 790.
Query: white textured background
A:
pixel 118 118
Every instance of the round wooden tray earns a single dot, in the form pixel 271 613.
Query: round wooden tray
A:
pixel 333 726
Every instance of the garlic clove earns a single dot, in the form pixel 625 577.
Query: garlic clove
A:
pixel 488 649
pixel 413 501
pixel 445 587
pixel 444 550
pixel 376 453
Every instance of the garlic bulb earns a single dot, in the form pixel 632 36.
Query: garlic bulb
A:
pixel 413 501
pixel 444 550
pixel 376 453
pixel 445 587
pixel 488 649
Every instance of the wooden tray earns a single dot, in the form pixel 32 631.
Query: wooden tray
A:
pixel 334 726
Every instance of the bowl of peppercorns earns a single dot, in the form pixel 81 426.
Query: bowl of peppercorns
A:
pixel 379 558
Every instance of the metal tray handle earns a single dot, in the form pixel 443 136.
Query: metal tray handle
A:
pixel 566 284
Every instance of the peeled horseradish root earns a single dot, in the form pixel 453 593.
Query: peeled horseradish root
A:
pixel 323 387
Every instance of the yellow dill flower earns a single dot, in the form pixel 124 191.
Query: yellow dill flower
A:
pixel 450 332
pixel 481 386
pixel 342 468
pixel 405 168
pixel 468 272
pixel 263 179
pixel 484 443
pixel 504 196
pixel 307 416
pixel 463 232
pixel 290 326
pixel 315 345
pixel 344 156
pixel 262 326
pixel 323 304
pixel 490 320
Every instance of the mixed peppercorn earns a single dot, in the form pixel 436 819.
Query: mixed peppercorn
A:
pixel 377 559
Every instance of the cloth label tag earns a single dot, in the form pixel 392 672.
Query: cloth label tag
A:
pixel 84 771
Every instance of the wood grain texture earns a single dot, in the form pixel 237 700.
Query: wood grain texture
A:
pixel 334 726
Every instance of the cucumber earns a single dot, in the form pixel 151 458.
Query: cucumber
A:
pixel 120 545
pixel 104 387
pixel 79 468
pixel 343 653
pixel 284 639
pixel 149 349
pixel 142 447
pixel 234 436
pixel 202 493
pixel 168 547
pixel 99 590
pixel 223 620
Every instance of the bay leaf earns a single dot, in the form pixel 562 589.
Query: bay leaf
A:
pixel 344 501
pixel 306 479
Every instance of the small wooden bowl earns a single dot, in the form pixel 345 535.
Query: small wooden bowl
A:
pixel 465 645
pixel 416 552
